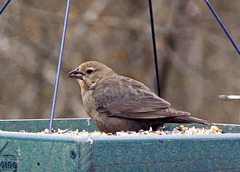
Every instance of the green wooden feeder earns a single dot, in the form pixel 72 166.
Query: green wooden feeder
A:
pixel 24 151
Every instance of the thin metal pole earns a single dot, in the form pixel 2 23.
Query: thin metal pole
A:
pixel 59 66
pixel 224 28
pixel 4 6
pixel 154 47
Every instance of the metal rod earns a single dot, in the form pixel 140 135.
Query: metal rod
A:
pixel 59 66
pixel 229 97
pixel 220 22
pixel 4 6
pixel 154 47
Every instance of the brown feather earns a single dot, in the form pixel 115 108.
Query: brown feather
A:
pixel 116 103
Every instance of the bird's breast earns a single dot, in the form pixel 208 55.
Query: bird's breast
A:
pixel 89 103
pixel 83 86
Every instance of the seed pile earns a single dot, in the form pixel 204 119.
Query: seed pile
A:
pixel 181 130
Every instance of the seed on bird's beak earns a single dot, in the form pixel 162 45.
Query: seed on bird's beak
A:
pixel 76 73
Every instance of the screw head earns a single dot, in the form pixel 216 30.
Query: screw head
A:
pixel 73 154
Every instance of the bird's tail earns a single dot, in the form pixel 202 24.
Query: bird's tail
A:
pixel 187 119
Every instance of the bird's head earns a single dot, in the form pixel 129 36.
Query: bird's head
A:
pixel 89 74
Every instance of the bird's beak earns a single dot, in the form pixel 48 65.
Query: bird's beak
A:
pixel 76 73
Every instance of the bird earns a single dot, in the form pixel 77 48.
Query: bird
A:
pixel 119 103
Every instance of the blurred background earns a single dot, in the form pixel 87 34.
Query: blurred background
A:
pixel 197 62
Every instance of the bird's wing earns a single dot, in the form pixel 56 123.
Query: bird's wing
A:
pixel 132 100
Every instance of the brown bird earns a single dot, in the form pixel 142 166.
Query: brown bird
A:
pixel 118 103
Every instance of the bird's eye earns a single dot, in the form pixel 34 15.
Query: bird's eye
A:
pixel 89 71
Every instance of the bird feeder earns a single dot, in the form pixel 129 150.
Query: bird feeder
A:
pixel 22 149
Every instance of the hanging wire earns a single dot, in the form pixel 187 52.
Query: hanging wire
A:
pixel 154 47
pixel 220 22
pixel 4 6
pixel 59 66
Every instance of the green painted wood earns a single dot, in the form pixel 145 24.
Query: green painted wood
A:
pixel 32 152
pixel 167 154
pixel 82 124
pixel 36 125
pixel 45 152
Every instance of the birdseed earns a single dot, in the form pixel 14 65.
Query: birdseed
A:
pixel 181 130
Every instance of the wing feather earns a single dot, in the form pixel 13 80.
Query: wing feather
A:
pixel 127 98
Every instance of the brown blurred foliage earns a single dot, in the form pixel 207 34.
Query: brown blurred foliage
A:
pixel 197 62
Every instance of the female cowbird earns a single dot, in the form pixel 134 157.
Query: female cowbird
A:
pixel 118 103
